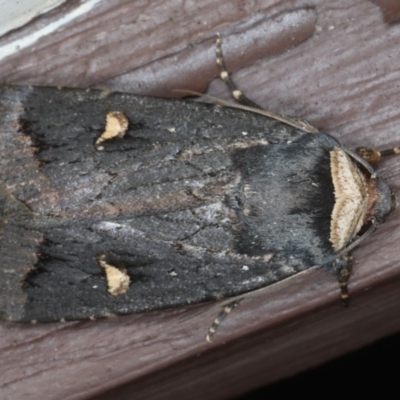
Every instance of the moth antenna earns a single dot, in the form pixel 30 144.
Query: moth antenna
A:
pixel 296 123
pixel 390 152
pixel 251 105
pixel 374 156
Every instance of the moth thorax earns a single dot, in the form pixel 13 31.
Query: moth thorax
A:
pixel 352 198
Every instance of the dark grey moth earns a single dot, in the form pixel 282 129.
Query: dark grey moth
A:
pixel 112 203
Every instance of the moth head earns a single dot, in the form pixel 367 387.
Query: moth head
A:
pixel 385 203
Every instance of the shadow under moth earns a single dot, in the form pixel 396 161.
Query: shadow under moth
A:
pixel 112 203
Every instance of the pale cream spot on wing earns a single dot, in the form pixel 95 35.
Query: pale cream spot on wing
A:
pixel 351 199
pixel 117 279
pixel 116 127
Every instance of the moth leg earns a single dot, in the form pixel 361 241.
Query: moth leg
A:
pixel 251 105
pixel 344 266
pixel 224 75
pixel 221 316
pixel 373 155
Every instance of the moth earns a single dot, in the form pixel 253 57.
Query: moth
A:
pixel 112 203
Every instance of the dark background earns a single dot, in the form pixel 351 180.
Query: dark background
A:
pixel 372 368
